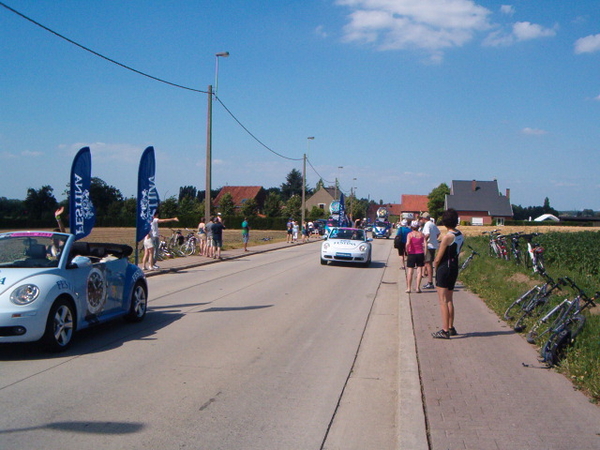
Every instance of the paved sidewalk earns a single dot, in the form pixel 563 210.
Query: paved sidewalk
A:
pixel 485 389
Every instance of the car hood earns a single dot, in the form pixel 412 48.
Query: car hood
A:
pixel 10 278
pixel 345 243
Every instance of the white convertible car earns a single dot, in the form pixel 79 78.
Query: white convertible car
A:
pixel 52 286
pixel 349 245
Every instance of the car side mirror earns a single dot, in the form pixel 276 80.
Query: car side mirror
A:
pixel 80 261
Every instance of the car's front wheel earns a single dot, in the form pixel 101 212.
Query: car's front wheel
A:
pixel 323 262
pixel 60 326
pixel 139 304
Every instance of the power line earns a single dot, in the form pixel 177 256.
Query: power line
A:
pixel 148 76
pixel 252 135
pixel 99 54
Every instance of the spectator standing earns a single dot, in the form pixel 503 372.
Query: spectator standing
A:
pixel 446 264
pixel 217 230
pixel 415 249
pixel 210 243
pixel 245 233
pixel 295 230
pixel 401 235
pixel 156 235
pixel 432 234
pixel 202 237
pixel 290 226
pixel 147 260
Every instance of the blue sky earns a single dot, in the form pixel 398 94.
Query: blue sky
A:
pixel 403 94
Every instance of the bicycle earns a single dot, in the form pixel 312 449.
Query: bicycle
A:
pixel 564 322
pixel 190 243
pixel 534 305
pixel 535 252
pixel 515 247
pixel 467 261
pixel 497 244
pixel 176 241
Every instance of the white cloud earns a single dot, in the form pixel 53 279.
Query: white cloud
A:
pixel 521 31
pixel 533 131
pixel 320 31
pixel 597 98
pixel 7 155
pixel 588 44
pixel 28 153
pixel 507 9
pixel 431 25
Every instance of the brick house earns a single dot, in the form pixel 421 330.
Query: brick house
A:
pixel 322 199
pixel 479 202
pixel 414 204
pixel 241 194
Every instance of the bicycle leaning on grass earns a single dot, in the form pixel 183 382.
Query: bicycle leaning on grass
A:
pixel 562 324
pixel 467 261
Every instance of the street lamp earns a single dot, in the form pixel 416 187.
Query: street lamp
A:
pixel 207 195
pixel 217 56
pixel 303 213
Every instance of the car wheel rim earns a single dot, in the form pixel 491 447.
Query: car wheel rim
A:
pixel 63 325
pixel 139 301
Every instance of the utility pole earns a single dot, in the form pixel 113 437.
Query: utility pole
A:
pixel 207 195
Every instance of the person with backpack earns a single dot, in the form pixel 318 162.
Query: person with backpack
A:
pixel 400 241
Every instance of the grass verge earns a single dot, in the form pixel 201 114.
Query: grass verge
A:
pixel 499 283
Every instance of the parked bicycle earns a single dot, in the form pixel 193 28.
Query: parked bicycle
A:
pixel 562 324
pixel 190 243
pixel 535 252
pixel 467 261
pixel 497 244
pixel 535 304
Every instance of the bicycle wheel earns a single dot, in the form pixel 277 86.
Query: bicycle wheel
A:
pixel 555 347
pixel 520 303
pixel 547 323
pixel 189 247
pixel 532 308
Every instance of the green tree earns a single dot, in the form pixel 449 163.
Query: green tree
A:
pixel 316 213
pixel 189 192
pixel 272 207
pixel 249 208
pixel 168 208
pixel 293 207
pixel 226 205
pixel 103 196
pixel 436 199
pixel 320 184
pixel 292 185
pixel 40 203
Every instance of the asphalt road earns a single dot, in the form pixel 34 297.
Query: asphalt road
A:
pixel 250 353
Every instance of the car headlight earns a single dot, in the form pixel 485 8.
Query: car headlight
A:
pixel 325 245
pixel 363 247
pixel 23 295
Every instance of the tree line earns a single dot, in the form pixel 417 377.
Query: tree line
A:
pixel 114 210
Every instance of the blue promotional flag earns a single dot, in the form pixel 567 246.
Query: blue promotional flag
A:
pixel 342 213
pixel 82 215
pixel 147 194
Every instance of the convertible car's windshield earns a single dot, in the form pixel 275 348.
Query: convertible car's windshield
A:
pixel 352 234
pixel 28 249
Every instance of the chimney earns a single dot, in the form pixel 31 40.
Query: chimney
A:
pixel 508 193
pixel 473 185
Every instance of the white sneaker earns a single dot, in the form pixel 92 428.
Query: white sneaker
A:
pixel 155 267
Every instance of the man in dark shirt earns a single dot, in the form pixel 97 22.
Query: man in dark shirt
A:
pixel 217 231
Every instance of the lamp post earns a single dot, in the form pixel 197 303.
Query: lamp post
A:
pixel 303 213
pixel 208 187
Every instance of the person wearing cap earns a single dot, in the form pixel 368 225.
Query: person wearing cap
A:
pixel 400 241
pixel 431 233
pixel 415 249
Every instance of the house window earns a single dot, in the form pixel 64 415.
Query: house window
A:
pixel 322 205
pixel 500 221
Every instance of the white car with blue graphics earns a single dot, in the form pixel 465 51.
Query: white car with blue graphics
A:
pixel 52 286
pixel 349 245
